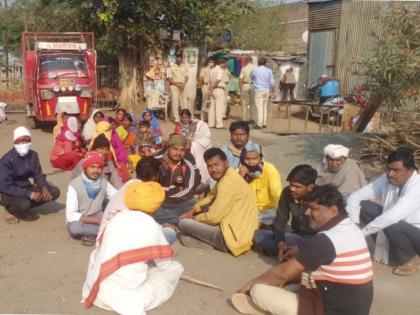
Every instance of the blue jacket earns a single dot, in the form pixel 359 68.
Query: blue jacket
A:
pixel 15 172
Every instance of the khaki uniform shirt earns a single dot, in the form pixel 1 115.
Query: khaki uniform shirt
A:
pixel 226 76
pixel 216 74
pixel 177 73
pixel 245 74
pixel 205 74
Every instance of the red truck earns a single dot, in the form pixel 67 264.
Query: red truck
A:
pixel 59 75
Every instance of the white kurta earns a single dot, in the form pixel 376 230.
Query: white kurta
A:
pixel 397 206
pixel 200 143
pixel 131 271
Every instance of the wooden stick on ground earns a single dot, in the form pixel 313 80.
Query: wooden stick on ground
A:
pixel 199 282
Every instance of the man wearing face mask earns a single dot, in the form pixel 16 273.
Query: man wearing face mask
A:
pixel 22 183
pixel 264 179
pixel 341 171
pixel 85 200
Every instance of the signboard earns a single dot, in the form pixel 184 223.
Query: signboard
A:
pixel 60 46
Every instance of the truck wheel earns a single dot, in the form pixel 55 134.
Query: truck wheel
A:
pixel 31 123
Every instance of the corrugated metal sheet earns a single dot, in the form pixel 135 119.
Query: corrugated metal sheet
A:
pixel 324 15
pixel 321 54
pixel 354 42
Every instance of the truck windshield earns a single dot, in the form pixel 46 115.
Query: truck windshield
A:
pixel 62 65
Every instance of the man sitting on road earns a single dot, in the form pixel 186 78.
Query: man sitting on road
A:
pixel 397 222
pixel 86 196
pixel 334 267
pixel 22 183
pixel 264 179
pixel 227 218
pixel 179 177
pixel 341 171
pixel 102 145
pixel 131 271
pixel 146 171
pixel 239 138
pixel 292 203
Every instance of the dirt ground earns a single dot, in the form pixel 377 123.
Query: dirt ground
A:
pixel 42 269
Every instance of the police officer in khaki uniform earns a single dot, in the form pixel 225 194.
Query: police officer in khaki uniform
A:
pixel 177 77
pixel 226 79
pixel 204 79
pixel 247 91
pixel 217 94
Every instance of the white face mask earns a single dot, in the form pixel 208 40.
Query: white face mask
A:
pixel 23 148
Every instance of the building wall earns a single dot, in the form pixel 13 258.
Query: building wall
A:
pixel 293 28
pixel 354 42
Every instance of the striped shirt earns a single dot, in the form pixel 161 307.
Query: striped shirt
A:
pixel 338 264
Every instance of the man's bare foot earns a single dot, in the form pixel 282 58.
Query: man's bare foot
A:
pixel 408 268
pixel 10 218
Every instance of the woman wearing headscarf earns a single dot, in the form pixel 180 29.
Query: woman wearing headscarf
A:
pixel 153 121
pixel 198 137
pixel 119 116
pixel 119 154
pixel 67 150
pixel 90 126
pixel 127 132
pixel 131 270
pixel 264 179
pixel 57 128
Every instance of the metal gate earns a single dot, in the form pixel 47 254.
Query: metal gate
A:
pixel 322 47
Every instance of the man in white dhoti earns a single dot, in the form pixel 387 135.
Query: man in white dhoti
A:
pixel 340 170
pixel 131 271
pixel 397 222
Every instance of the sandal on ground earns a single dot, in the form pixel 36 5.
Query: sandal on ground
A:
pixel 405 270
pixel 10 218
pixel 88 240
pixel 243 304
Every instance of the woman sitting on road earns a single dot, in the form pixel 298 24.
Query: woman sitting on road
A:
pixel 118 152
pixel 90 126
pixel 127 132
pixel 67 150
pixel 153 121
pixel 198 135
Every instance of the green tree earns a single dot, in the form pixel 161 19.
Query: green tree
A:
pixel 131 29
pixel 393 70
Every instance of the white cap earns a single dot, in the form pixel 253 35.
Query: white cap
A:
pixel 336 150
pixel 21 132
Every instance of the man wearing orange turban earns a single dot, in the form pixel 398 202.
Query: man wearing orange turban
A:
pixel 131 270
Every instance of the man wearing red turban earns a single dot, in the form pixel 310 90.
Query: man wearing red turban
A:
pixel 85 199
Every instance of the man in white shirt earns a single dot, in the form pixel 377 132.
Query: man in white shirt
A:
pixel 85 200
pixel 397 223
pixel 217 93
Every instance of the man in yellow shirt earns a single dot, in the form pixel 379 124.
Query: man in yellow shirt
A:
pixel 227 218
pixel 177 77
pixel 264 180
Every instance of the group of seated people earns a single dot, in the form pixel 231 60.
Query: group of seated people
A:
pixel 239 206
